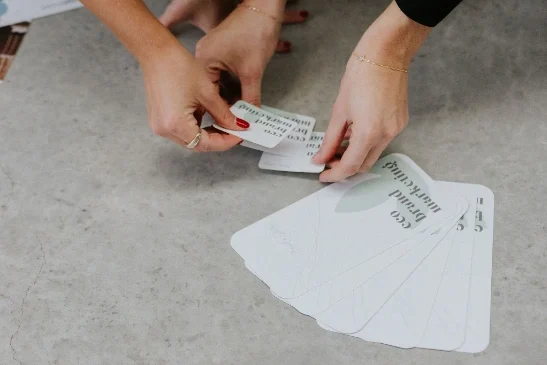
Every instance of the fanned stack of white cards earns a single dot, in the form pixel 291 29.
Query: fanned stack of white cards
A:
pixel 390 256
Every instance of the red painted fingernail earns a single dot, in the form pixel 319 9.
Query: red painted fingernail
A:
pixel 287 44
pixel 242 123
pixel 304 13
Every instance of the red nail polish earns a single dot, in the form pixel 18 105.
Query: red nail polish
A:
pixel 242 123
pixel 287 44
pixel 304 13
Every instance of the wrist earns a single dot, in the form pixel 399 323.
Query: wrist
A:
pixel 155 45
pixel 275 8
pixel 393 38
pixel 153 57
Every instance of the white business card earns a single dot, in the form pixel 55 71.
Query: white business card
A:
pixel 266 129
pixel 300 159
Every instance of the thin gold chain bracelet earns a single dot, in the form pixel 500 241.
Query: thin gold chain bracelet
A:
pixel 257 10
pixel 364 59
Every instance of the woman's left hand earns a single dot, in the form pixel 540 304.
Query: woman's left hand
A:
pixel 371 108
pixel 243 45
pixel 373 100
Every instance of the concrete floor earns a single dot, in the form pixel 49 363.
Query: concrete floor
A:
pixel 114 243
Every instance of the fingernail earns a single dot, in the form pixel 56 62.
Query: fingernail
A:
pixel 304 13
pixel 242 123
pixel 287 44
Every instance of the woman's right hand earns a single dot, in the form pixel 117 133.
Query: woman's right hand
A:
pixel 178 92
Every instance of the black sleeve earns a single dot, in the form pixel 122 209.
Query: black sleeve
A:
pixel 427 12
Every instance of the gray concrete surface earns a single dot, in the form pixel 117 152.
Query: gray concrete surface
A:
pixel 114 244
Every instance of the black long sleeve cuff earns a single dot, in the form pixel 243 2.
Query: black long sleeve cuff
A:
pixel 427 12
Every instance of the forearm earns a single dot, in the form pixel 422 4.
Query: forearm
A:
pixel 393 38
pixel 136 27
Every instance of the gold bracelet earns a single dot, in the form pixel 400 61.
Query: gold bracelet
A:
pixel 364 59
pixel 260 12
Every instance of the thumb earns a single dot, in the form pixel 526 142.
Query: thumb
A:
pixel 333 136
pixel 220 111
pixel 250 90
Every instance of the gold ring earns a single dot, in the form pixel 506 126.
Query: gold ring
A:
pixel 193 143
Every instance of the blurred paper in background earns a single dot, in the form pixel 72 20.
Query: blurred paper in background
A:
pixel 17 11
pixel 10 40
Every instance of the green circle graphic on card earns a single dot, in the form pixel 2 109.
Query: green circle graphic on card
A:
pixel 392 178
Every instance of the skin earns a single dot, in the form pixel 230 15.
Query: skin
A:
pixel 207 14
pixel 371 107
pixel 179 88
pixel 372 99
pixel 253 41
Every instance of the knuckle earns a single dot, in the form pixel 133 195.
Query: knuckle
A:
pixel 251 73
pixel 175 125
pixel 251 78
pixel 157 129
pixel 372 136
pixel 209 92
pixel 255 100
pixel 404 123
pixel 203 147
pixel 201 49
pixel 390 133
pixel 226 115
pixel 351 169
pixel 171 126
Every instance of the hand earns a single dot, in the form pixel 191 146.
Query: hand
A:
pixel 204 14
pixel 207 14
pixel 242 45
pixel 372 104
pixel 177 87
pixel 375 102
pixel 178 93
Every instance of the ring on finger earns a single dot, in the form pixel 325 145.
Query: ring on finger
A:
pixel 193 143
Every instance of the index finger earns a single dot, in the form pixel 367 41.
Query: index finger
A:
pixel 334 135
pixel 250 89
pixel 359 147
